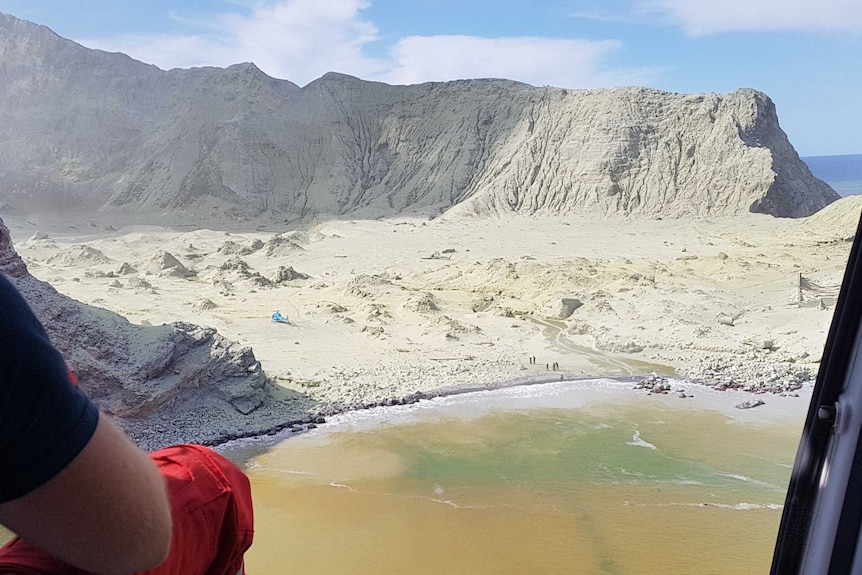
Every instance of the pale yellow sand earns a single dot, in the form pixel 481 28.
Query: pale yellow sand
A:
pixel 379 316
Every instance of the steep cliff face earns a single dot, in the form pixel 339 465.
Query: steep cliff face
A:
pixel 84 128
pixel 199 382
pixel 645 152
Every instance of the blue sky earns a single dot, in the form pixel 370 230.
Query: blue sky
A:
pixel 805 54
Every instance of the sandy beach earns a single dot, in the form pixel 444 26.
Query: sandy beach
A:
pixel 384 308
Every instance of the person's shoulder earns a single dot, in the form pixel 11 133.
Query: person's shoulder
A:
pixel 11 298
pixel 16 316
pixel 6 287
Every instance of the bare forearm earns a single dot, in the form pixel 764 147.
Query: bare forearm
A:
pixel 107 512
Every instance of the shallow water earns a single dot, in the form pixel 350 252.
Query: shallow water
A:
pixel 482 484
pixel 588 478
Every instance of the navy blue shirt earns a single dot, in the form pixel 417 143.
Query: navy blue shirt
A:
pixel 45 421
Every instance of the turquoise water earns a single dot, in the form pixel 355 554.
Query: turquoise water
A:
pixel 566 450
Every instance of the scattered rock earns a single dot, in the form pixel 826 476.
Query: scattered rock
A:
pixel 421 303
pixel 750 404
pixel 373 330
pixel 568 305
pixel 287 274
pixel 136 282
pixel 482 303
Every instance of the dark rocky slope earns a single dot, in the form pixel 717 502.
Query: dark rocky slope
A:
pixel 164 384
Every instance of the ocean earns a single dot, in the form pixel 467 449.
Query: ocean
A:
pixel 842 172
pixel 584 477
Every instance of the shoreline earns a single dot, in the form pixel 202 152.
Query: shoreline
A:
pixel 722 399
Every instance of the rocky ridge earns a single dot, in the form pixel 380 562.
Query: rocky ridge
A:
pixel 163 384
pixel 105 131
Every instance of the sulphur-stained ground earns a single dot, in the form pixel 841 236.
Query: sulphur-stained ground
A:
pixel 384 308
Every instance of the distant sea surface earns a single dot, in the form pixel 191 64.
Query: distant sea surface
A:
pixel 843 172
pixel 533 480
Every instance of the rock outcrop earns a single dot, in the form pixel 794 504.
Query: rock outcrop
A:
pixel 165 384
pixel 83 129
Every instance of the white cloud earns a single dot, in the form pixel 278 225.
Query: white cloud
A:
pixel 703 17
pixel 537 61
pixel 300 40
pixel 166 52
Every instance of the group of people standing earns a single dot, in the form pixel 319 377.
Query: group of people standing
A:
pixel 549 366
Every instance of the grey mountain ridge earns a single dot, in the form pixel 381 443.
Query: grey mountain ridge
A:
pixel 86 129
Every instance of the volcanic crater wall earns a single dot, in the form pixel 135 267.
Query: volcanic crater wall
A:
pixel 83 128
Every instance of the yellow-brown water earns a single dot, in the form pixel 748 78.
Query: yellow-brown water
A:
pixel 597 489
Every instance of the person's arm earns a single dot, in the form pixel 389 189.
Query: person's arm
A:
pixel 106 512
pixel 71 483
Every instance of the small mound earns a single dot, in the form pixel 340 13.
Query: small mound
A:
pixel 165 263
pixel 40 240
pixel 280 245
pixel 377 312
pixel 362 285
pixel 250 248
pixel 136 282
pixel 838 220
pixel 373 331
pixel 299 237
pixel 234 264
pixel 230 247
pixel 79 256
pixel 234 269
pixel 452 329
pixel 287 274
pixel 421 303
